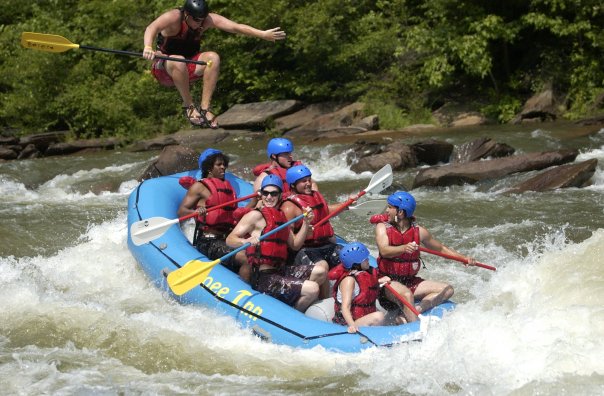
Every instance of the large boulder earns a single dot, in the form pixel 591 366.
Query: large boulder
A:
pixel 80 145
pixel 304 116
pixel 540 107
pixel 373 156
pixel 29 151
pixel 348 119
pixel 7 153
pixel 172 159
pixel 564 176
pixel 256 115
pixel 376 162
pixel 432 151
pixel 473 172
pixel 480 149
pixel 43 140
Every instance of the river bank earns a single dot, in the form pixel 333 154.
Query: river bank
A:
pixel 306 124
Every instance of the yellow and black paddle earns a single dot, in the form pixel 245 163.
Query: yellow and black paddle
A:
pixel 54 43
pixel 195 272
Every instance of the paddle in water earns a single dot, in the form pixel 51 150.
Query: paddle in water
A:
pixel 144 231
pixel 55 43
pixel 195 272
pixel 381 180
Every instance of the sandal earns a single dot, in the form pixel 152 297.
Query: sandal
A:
pixel 195 120
pixel 206 121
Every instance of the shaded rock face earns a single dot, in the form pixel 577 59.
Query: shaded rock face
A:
pixel 256 115
pixel 304 116
pixel 564 176
pixel 540 107
pixel 480 149
pixel 345 121
pixel 373 156
pixel 171 160
pixel 432 152
pixel 473 172
pixel 50 144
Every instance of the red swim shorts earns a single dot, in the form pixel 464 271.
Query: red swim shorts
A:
pixel 161 75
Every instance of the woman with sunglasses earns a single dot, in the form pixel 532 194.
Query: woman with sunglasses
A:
pixel 268 257
pixel 178 33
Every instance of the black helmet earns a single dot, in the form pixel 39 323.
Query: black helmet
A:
pixel 196 8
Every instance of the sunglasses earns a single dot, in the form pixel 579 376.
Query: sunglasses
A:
pixel 271 193
pixel 198 20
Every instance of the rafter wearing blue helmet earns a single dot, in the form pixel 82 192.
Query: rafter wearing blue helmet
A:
pixel 296 173
pixel 212 226
pixel 402 200
pixel 278 146
pixel 272 180
pixel 356 291
pixel 354 253
pixel 399 242
pixel 280 152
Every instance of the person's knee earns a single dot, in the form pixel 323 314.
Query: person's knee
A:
pixel 212 56
pixel 378 318
pixel 178 67
pixel 310 289
pixel 319 273
pixel 448 292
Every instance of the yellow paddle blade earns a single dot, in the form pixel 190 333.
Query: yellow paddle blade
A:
pixel 190 275
pixel 46 42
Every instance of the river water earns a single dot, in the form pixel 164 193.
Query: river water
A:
pixel 79 317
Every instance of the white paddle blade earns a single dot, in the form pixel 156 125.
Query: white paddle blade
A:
pixel 369 208
pixel 381 180
pixel 147 230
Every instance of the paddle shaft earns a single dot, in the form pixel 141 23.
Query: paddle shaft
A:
pixel 131 53
pixel 144 231
pixel 381 180
pixel 192 274
pixel 448 256
pixel 263 236
pixel 340 208
pixel 222 205
pixel 401 299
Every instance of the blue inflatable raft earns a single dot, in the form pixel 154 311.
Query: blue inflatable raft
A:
pixel 224 291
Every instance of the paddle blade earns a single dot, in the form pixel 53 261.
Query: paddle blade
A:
pixel 380 181
pixel 46 42
pixel 147 230
pixel 369 208
pixel 190 275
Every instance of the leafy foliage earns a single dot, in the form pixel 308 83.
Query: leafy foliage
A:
pixel 401 57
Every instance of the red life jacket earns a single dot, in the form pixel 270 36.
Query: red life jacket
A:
pixel 186 42
pixel 278 171
pixel 406 264
pixel 272 250
pixel 220 219
pixel 364 303
pixel 317 203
